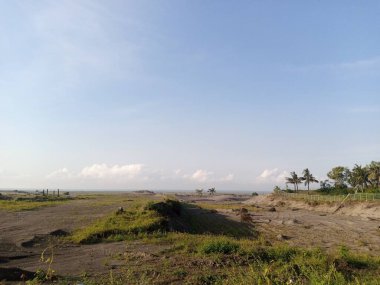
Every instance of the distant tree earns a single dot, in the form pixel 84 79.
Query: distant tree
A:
pixel 199 192
pixel 254 194
pixel 308 178
pixel 211 191
pixel 374 174
pixel 294 179
pixel 325 184
pixel 340 175
pixel 276 189
pixel 358 177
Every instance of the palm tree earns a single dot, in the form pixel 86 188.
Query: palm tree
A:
pixel 359 177
pixel 294 179
pixel 308 178
pixel 211 191
pixel 374 174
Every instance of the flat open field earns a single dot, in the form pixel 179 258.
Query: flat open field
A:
pixel 175 248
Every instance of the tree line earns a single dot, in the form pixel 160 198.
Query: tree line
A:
pixel 210 191
pixel 359 178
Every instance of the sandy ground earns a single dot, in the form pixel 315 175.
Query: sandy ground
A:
pixel 24 235
pixel 356 225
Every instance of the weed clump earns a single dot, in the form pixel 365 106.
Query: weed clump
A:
pixel 219 246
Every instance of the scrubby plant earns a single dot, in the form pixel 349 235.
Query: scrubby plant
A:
pixel 222 246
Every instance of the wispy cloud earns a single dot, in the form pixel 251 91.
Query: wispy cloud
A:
pixel 102 171
pixel 229 177
pixel 60 173
pixel 364 109
pixel 80 38
pixel 349 66
pixel 272 175
pixel 201 175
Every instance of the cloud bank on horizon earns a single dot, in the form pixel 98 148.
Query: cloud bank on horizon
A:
pixel 181 95
pixel 128 175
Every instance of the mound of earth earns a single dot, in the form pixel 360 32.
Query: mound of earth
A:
pixel 362 209
pixel 42 239
pixel 5 197
pixel 226 198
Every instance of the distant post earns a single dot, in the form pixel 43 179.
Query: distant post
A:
pixel 58 192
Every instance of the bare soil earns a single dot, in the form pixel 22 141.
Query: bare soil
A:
pixel 25 235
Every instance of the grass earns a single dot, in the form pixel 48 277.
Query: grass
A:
pixel 207 259
pixel 137 220
pixel 26 205
pixel 220 247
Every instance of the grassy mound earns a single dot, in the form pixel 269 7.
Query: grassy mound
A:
pixel 168 208
pixel 150 218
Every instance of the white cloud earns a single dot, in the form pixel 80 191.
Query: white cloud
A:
pixel 268 173
pixel 104 171
pixel 201 175
pixel 60 173
pixel 228 178
pixel 272 175
pixel 135 175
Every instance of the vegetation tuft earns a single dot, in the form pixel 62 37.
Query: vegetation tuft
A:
pixel 219 246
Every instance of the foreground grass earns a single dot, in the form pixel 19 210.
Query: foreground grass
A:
pixel 208 259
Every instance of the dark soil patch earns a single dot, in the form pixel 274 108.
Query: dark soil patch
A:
pixel 15 274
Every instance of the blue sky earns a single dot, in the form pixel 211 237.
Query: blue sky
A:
pixel 185 94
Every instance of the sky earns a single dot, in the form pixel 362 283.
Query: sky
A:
pixel 179 95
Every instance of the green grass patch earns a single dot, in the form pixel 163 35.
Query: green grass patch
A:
pixel 26 205
pixel 120 227
pixel 136 221
pixel 219 246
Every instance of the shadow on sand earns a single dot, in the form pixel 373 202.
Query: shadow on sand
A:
pixel 196 220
